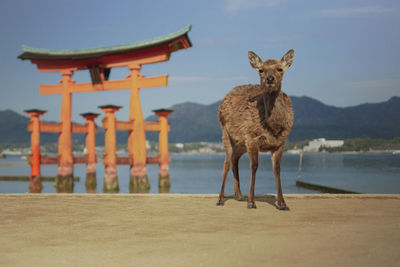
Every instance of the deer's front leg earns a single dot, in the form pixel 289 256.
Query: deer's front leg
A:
pixel 276 164
pixel 254 166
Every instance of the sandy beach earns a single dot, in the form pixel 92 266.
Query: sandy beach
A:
pixel 190 230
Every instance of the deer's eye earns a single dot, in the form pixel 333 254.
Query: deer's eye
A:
pixel 260 71
pixel 280 70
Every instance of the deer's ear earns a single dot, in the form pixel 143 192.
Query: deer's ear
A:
pixel 255 61
pixel 287 59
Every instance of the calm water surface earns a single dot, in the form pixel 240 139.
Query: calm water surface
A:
pixel 364 173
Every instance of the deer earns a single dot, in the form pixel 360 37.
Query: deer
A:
pixel 253 119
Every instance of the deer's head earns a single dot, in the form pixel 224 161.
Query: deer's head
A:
pixel 271 71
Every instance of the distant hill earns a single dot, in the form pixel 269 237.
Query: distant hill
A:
pixel 314 119
pixel 13 127
pixel 192 122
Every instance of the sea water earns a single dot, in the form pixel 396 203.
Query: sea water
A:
pixel 198 174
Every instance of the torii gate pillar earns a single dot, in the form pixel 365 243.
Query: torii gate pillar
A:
pixel 65 177
pixel 110 157
pixel 35 184
pixel 139 182
pixel 91 181
pixel 163 154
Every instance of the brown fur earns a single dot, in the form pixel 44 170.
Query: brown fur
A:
pixel 256 118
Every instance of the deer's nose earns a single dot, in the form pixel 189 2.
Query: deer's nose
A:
pixel 270 79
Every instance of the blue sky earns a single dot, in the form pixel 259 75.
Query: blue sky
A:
pixel 346 52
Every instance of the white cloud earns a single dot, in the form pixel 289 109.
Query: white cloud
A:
pixel 236 5
pixel 378 84
pixel 345 12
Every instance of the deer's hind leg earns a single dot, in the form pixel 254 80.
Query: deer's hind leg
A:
pixel 236 154
pixel 227 165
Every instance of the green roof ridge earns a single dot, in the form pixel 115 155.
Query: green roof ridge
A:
pixel 134 45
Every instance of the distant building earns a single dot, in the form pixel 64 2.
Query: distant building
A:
pixel 315 144
pixel 179 145
pixel 148 146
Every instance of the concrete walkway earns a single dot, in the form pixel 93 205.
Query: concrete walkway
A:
pixel 190 230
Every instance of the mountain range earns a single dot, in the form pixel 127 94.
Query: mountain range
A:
pixel 192 122
pixel 312 119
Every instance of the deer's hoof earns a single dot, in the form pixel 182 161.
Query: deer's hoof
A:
pixel 220 203
pixel 282 206
pixel 251 205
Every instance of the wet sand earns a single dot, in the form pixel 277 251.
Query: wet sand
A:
pixel 190 230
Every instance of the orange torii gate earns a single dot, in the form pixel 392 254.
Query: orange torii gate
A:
pixel 100 61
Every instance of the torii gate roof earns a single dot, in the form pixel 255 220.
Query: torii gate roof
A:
pixel 89 56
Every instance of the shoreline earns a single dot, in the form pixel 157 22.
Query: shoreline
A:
pixel 393 151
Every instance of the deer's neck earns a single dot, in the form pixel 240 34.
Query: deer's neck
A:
pixel 269 102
